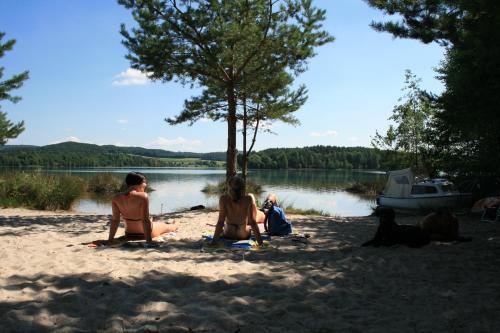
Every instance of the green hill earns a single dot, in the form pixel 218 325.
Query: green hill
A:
pixel 74 154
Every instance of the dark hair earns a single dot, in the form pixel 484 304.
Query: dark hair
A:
pixel 236 187
pixel 134 178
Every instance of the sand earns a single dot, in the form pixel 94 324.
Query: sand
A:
pixel 52 281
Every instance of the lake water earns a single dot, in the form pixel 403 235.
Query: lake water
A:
pixel 176 189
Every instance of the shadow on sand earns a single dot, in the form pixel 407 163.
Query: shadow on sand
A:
pixel 330 284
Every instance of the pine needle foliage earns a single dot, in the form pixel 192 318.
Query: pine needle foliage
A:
pixel 8 129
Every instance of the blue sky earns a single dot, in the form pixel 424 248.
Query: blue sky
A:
pixel 81 87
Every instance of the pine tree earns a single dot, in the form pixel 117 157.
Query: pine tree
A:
pixel 221 46
pixel 9 130
pixel 467 122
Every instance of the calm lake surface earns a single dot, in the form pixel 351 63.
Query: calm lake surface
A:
pixel 176 189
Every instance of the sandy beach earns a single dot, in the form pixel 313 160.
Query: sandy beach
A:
pixel 51 280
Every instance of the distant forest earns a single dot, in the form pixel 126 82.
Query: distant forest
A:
pixel 326 157
pixel 75 155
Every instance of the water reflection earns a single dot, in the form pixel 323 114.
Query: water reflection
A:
pixel 319 180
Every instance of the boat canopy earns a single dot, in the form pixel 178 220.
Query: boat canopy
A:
pixel 399 183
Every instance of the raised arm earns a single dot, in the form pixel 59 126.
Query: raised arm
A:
pixel 252 221
pixel 220 221
pixel 115 221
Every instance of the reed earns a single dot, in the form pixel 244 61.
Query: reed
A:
pixel 220 188
pixel 301 211
pixel 105 183
pixel 370 189
pixel 40 191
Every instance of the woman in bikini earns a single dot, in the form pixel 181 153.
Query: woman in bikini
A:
pixel 237 213
pixel 133 206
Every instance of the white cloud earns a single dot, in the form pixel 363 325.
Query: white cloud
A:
pixel 73 138
pixel 324 134
pixel 179 143
pixel 131 77
pixel 122 121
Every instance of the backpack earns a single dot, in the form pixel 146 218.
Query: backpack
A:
pixel 277 224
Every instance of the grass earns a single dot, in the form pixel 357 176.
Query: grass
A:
pixel 40 191
pixel 215 189
pixel 291 209
pixel 53 192
pixel 105 183
pixel 221 188
pixel 300 211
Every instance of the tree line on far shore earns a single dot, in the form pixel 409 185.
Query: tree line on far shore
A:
pixel 327 157
pixel 72 154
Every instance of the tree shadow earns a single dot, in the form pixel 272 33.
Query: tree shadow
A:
pixel 70 224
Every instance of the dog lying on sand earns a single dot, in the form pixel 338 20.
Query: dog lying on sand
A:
pixel 442 226
pixel 390 233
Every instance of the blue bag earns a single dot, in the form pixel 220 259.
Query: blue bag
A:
pixel 277 223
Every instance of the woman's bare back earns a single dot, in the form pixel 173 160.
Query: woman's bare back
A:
pixel 132 205
pixel 236 213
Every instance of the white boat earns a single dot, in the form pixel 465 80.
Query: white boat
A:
pixel 401 191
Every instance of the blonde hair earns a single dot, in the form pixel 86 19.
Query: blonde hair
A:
pixel 273 198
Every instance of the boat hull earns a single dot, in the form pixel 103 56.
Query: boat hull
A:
pixel 424 202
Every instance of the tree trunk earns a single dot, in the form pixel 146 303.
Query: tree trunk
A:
pixel 244 163
pixel 231 132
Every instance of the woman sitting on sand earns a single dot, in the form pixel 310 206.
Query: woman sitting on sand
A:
pixel 237 213
pixel 133 206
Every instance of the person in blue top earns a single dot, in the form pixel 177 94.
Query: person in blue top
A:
pixel 275 222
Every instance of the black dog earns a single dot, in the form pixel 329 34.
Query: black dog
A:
pixel 390 233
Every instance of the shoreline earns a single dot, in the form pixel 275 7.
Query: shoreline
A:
pixel 52 280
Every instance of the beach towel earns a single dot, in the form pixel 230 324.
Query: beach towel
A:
pixel 128 242
pixel 232 244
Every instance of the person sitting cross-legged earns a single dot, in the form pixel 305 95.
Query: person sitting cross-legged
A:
pixel 237 213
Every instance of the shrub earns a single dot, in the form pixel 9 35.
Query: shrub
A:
pixel 40 191
pixel 367 188
pixel 309 211
pixel 221 188
pixel 105 183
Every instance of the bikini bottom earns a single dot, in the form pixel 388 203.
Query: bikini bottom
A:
pixel 134 235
